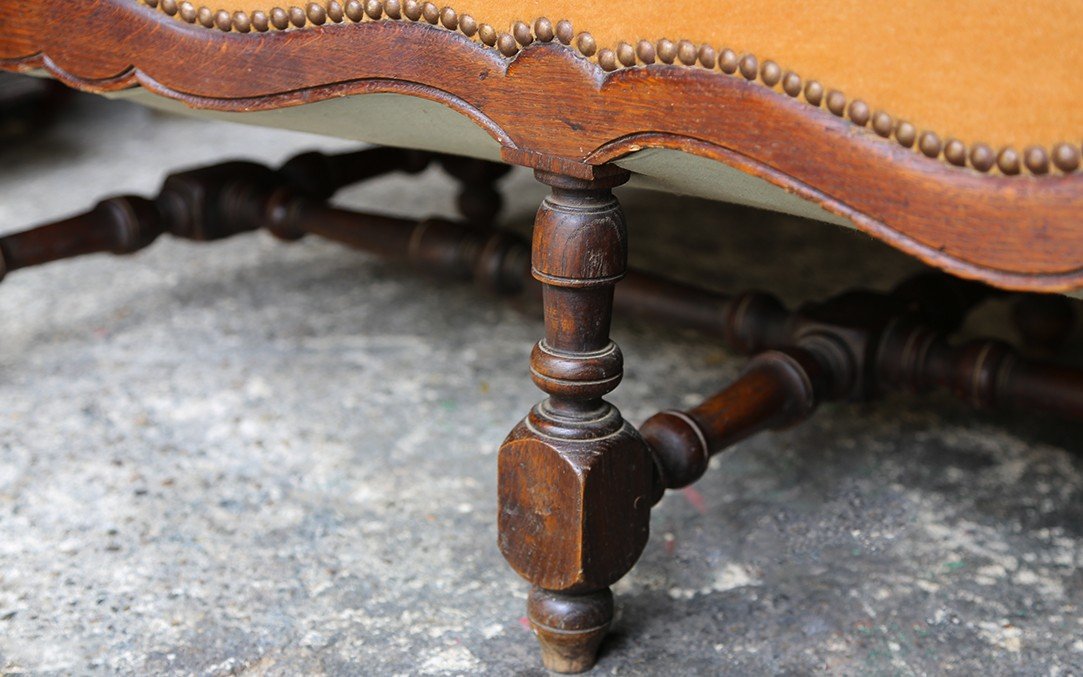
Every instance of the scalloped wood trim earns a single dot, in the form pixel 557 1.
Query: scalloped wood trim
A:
pixel 1063 157
pixel 1013 232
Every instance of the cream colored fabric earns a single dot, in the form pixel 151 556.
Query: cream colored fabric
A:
pixel 410 122
pixel 1003 72
pixel 398 120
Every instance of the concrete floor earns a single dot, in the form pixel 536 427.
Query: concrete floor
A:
pixel 280 459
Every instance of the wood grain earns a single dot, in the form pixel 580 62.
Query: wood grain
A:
pixel 575 478
pixel 550 108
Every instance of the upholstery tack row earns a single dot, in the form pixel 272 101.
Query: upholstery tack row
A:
pixel 1064 156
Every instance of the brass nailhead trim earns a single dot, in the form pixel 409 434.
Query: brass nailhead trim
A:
pixel 1039 161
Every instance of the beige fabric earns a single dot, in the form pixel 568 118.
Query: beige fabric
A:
pixel 409 122
pixel 996 71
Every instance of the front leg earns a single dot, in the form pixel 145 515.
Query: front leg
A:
pixel 575 479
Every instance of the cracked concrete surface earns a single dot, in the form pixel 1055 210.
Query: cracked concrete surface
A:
pixel 252 457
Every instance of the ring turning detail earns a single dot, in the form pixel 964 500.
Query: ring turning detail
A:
pixel 576 480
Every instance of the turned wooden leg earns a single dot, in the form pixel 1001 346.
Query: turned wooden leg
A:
pixel 1045 321
pixel 479 200
pixel 575 478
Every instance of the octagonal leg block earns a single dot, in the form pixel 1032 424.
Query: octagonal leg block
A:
pixel 576 480
pixel 573 520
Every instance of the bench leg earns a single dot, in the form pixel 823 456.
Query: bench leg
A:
pixel 575 479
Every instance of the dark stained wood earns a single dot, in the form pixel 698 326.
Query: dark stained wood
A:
pixel 202 204
pixel 27 105
pixel 668 302
pixel 216 202
pixel 903 333
pixel 319 175
pixel 494 260
pixel 986 374
pixel 858 346
pixel 1045 321
pixel 777 389
pixel 575 479
pixel 551 109
pixel 479 200
pixel 117 225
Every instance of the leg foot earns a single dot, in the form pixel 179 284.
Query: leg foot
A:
pixel 575 479
pixel 570 628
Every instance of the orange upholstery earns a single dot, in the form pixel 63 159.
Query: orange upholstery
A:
pixel 1002 72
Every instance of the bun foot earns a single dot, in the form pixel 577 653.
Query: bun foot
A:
pixel 570 628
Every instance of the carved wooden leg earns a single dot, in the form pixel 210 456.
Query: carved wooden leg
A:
pixel 1045 321
pixel 479 199
pixel 575 478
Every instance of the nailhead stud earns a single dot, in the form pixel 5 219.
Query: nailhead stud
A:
pixel 836 102
pixel 687 53
pixel 565 32
pixel 187 12
pixel 449 19
pixel 1036 160
pixel 791 84
pixel 505 42
pixel 1066 157
pixel 241 22
pixel 859 112
pixel 522 33
pixel 905 133
pixel 667 51
pixel 645 51
pixel 728 61
pixel 770 73
pixel 280 19
pixel 1008 161
pixel 955 152
pixel 468 25
pixel 260 21
pixel 607 59
pixel 586 44
pixel 882 123
pixel 431 13
pixel 316 13
pixel 982 157
pixel 223 21
pixel 543 28
pixel 749 66
pixel 929 144
pixel 708 58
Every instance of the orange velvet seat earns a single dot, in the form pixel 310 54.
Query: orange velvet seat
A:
pixel 950 130
pixel 923 123
pixel 994 72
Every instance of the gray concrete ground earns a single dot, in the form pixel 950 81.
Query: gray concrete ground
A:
pixel 251 457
